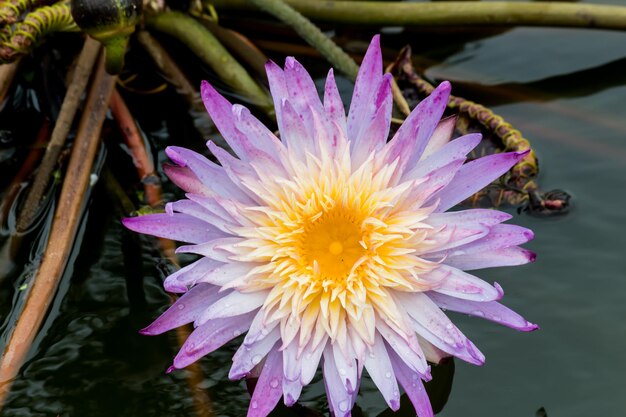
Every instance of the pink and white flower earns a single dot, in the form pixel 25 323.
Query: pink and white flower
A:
pixel 332 245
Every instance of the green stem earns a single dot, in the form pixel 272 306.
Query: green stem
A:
pixel 208 49
pixel 464 13
pixel 311 34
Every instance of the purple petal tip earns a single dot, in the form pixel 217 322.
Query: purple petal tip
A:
pixel 528 234
pixel 394 405
pixel 171 369
pixel 499 289
pixel 530 327
pixel 532 256
pixel 145 331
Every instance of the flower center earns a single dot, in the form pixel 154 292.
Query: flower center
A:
pixel 331 244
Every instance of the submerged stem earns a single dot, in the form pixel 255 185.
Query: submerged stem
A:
pixel 463 13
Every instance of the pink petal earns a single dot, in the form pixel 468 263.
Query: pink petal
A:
pixel 181 227
pixel 221 112
pixel 339 400
pixel 411 139
pixel 223 274
pixel 302 91
pixel 454 282
pixel 454 150
pixel 264 147
pixel 293 131
pixel 333 105
pixel 278 89
pixel 234 304
pixel 292 363
pixel 198 211
pixel 268 387
pixel 510 256
pixel 210 174
pixel 436 181
pixel 311 359
pixel 212 249
pixel 236 169
pixel 452 236
pixel 413 386
pixel 380 370
pixel 211 336
pixel 409 351
pixel 347 368
pixel 362 106
pixel 250 355
pixel 476 175
pixel 259 328
pixel 499 236
pixel 185 179
pixel 486 217
pixel 433 325
pixel 185 310
pixel 441 136
pixel 373 135
pixel 291 391
pixel 491 310
pixel 186 277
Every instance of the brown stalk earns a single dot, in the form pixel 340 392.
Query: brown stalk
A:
pixel 27 167
pixel 171 70
pixel 64 226
pixel 145 168
pixel 83 70
pixel 7 74
pixel 134 141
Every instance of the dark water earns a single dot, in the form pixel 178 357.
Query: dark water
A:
pixel 564 90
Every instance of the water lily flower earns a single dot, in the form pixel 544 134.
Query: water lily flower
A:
pixel 332 247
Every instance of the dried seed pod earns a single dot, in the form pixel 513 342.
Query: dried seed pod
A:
pixel 111 22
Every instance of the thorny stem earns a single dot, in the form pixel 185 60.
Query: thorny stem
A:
pixel 11 10
pixel 462 13
pixel 206 47
pixel 512 139
pixel 33 28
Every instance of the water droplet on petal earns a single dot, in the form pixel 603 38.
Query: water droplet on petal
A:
pixel 449 326
pixel 478 313
pixel 342 371
pixel 497 318
pixel 236 333
pixel 343 405
pixel 254 404
pixel 181 306
pixel 256 359
pixel 388 375
pixel 274 383
pixel 448 341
